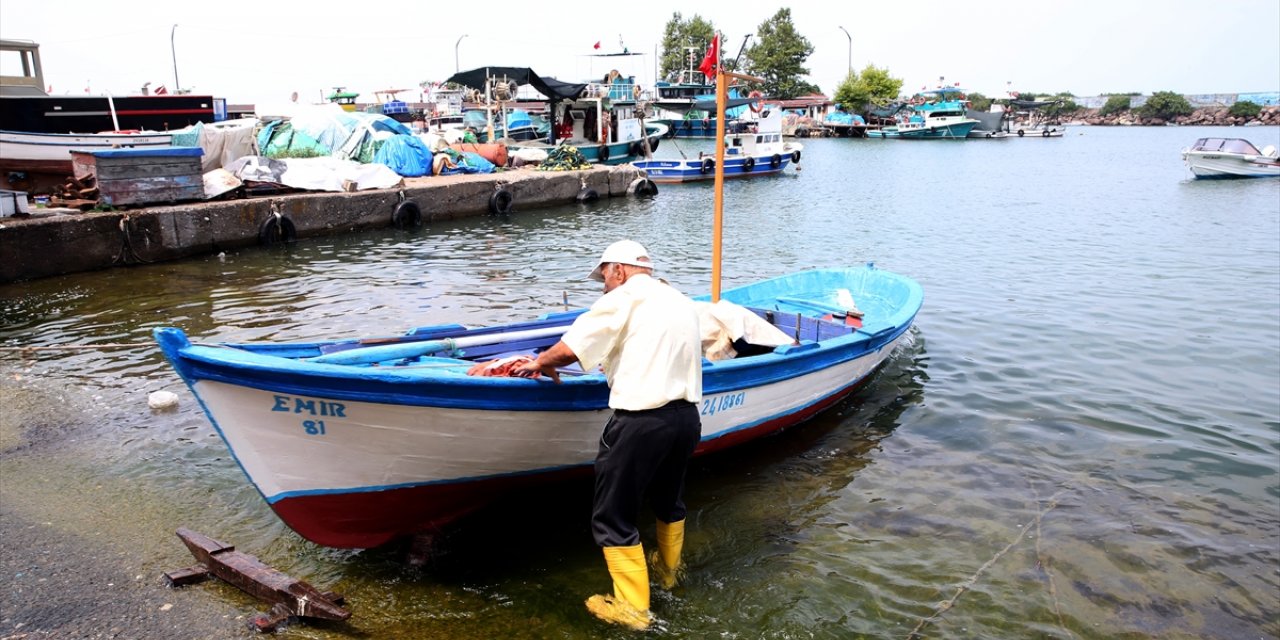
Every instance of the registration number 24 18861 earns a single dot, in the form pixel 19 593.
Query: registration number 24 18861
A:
pixel 714 404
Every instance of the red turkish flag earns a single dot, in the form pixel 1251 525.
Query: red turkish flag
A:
pixel 711 61
pixel 597 45
pixel 161 90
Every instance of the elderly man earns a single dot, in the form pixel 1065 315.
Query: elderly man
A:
pixel 645 334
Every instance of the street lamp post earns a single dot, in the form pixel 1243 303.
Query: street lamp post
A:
pixel 456 68
pixel 177 88
pixel 846 34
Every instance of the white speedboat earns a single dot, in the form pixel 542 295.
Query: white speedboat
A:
pixel 1231 158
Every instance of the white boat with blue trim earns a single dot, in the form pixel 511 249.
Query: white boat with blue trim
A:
pixel 758 150
pixel 355 443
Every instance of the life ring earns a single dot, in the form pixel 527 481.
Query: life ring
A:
pixel 757 106
pixel 1045 133
pixel 748 164
pixel 708 165
pixel 1020 133
pixel 277 229
pixel 500 201
pixel 642 187
pixel 795 156
pixel 775 161
pixel 587 194
pixel 604 153
pixel 407 215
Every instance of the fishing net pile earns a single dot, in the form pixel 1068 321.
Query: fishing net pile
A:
pixel 564 158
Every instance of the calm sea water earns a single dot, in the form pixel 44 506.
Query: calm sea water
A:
pixel 1081 440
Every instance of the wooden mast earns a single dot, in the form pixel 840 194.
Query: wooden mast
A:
pixel 717 228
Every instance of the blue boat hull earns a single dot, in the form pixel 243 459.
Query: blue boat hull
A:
pixel 699 169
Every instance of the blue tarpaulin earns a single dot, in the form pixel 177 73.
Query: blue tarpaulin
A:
pixel 406 155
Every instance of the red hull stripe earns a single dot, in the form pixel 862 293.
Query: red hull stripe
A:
pixel 369 519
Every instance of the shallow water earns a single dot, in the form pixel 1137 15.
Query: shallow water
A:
pixel 1080 440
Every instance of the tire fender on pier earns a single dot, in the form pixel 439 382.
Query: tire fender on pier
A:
pixel 501 201
pixel 277 229
pixel 407 215
pixel 642 187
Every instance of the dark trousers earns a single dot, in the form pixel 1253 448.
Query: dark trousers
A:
pixel 639 451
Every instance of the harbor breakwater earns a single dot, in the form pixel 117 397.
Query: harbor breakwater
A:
pixel 56 242
pixel 1208 116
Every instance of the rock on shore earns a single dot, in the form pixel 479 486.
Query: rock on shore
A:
pixel 1208 116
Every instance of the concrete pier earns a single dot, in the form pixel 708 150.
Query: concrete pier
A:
pixel 48 245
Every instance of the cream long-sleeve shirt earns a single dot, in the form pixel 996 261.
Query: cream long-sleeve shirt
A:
pixel 645 334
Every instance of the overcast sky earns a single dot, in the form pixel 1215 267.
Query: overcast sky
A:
pixel 257 52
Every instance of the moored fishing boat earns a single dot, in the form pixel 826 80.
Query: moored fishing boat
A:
pixel 577 116
pixel 50 152
pixel 759 150
pixel 354 443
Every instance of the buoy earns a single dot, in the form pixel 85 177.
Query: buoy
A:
pixel 162 400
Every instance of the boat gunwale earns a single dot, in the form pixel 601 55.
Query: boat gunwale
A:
pixel 434 387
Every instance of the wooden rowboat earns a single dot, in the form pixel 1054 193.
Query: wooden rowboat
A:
pixel 354 443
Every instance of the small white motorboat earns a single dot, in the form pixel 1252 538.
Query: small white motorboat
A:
pixel 1231 158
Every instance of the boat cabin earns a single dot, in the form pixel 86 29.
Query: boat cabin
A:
pixel 23 55
pixel 342 97
pixel 762 136
pixel 590 120
pixel 1227 145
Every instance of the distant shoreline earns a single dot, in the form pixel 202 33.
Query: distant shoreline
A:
pixel 1206 116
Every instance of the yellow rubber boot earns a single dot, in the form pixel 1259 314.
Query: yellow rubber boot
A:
pixel 666 560
pixel 629 604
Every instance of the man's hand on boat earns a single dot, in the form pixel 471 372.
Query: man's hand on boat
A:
pixel 547 363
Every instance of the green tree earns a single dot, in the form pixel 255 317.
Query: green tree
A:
pixel 1165 105
pixel 979 102
pixel 872 87
pixel 779 55
pixel 1063 104
pixel 1244 109
pixel 1115 104
pixel 683 41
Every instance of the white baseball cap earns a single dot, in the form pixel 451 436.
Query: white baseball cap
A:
pixel 622 252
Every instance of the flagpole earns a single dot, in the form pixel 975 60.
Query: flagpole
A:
pixel 717 225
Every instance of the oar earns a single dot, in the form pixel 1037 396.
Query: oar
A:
pixel 368 355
